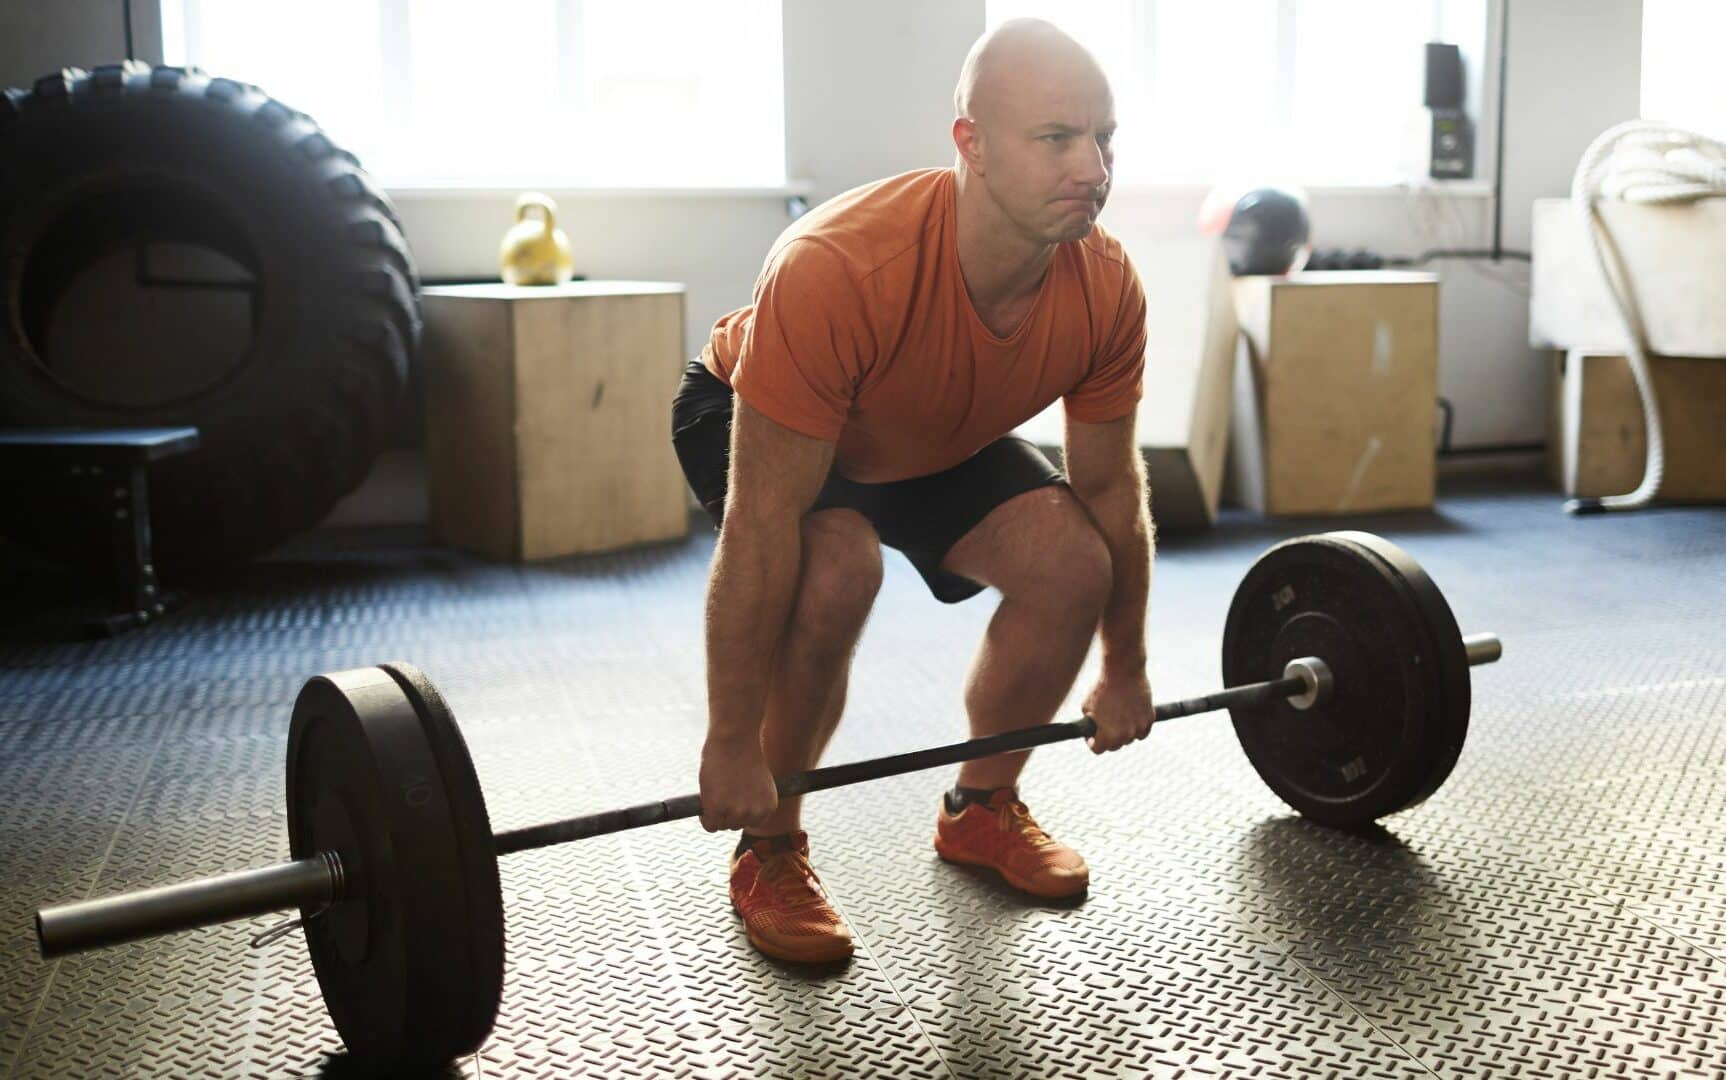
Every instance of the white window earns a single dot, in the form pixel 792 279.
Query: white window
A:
pixel 1683 80
pixel 1258 91
pixel 515 93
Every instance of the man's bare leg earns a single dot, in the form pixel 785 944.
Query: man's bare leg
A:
pixel 836 588
pixel 1042 552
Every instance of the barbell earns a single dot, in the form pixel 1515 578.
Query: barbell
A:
pixel 1361 711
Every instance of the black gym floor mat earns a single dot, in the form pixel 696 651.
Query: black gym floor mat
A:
pixel 1557 909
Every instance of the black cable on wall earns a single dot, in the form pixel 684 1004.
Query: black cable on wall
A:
pixel 1498 155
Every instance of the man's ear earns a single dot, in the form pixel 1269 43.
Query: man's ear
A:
pixel 968 137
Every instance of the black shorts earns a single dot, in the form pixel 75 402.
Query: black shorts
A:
pixel 922 517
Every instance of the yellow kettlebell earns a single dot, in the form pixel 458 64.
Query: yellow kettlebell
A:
pixel 534 250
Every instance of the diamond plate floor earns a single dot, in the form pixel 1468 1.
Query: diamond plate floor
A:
pixel 1558 909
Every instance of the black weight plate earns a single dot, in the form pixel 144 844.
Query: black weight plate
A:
pixel 401 960
pixel 1369 750
pixel 1455 678
pixel 474 843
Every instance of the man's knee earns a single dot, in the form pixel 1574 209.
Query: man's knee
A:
pixel 1086 571
pixel 840 578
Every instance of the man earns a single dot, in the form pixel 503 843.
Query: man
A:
pixel 898 333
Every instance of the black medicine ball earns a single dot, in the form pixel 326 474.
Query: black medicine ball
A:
pixel 1267 233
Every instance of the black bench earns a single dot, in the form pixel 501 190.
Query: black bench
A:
pixel 110 465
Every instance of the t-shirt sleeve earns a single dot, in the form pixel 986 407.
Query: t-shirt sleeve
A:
pixel 805 351
pixel 1116 380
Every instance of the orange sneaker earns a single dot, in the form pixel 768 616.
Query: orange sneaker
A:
pixel 784 908
pixel 1001 835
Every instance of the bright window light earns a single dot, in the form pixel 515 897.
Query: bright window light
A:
pixel 1255 91
pixel 1683 79
pixel 515 93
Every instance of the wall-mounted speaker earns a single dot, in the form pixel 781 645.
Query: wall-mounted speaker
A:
pixel 1452 136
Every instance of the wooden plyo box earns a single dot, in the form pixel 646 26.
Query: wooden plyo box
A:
pixel 1674 255
pixel 1183 418
pixel 1337 395
pixel 1598 444
pixel 548 416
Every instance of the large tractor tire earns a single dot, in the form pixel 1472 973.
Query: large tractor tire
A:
pixel 201 210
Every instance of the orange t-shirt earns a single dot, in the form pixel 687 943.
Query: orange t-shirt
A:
pixel 862 332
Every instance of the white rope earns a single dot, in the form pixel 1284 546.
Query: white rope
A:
pixel 1652 163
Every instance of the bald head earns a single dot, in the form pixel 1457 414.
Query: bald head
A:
pixel 1020 56
pixel 1035 132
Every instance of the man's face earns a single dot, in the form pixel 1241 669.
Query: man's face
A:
pixel 1048 152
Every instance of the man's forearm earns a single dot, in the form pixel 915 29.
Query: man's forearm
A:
pixel 1123 517
pixel 749 598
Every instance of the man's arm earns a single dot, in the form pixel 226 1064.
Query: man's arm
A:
pixel 1107 472
pixel 775 476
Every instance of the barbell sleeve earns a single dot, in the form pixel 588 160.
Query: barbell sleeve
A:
pixel 91 924
pixel 1483 648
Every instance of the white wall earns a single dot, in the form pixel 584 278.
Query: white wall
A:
pixel 1575 70
pixel 869 86
pixel 868 93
